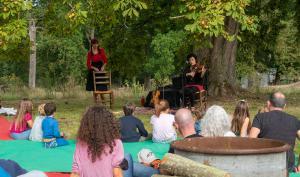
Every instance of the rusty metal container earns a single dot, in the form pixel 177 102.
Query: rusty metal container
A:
pixel 241 157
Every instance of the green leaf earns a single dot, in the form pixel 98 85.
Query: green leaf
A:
pixel 135 12
pixel 144 5
pixel 126 12
pixel 117 6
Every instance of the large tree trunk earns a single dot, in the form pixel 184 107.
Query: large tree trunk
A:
pixel 32 63
pixel 147 83
pixel 173 164
pixel 277 76
pixel 222 62
pixel 203 53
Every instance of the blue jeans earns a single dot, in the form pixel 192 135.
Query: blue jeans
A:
pixel 198 127
pixel 21 136
pixel 55 143
pixel 138 170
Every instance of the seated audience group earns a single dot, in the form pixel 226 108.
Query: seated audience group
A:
pixel 44 128
pixel 271 122
pixel 99 150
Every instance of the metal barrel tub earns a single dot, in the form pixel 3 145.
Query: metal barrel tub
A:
pixel 241 157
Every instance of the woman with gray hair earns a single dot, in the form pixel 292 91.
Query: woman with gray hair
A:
pixel 216 122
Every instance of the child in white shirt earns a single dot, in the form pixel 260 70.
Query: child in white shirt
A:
pixel 162 122
pixel 36 133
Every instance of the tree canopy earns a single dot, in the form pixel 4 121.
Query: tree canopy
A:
pixel 150 39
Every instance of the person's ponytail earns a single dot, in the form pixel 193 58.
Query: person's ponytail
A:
pixel 163 105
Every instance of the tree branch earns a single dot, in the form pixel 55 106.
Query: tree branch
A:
pixel 176 17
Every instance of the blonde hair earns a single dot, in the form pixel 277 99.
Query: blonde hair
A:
pixel 25 106
pixel 163 105
pixel 41 109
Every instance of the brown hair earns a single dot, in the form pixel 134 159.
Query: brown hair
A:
pixel 94 41
pixel 98 129
pixel 128 109
pixel 25 106
pixel 49 108
pixel 241 112
pixel 163 105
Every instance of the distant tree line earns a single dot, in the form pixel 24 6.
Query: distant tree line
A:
pixel 150 39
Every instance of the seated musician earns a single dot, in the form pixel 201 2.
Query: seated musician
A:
pixel 196 79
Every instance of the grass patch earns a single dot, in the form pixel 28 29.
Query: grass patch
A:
pixel 70 109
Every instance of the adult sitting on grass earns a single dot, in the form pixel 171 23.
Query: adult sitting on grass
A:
pixel 162 122
pixel 216 122
pixel 185 124
pixel 132 129
pixel 51 136
pixel 277 125
pixel 22 122
pixel 99 150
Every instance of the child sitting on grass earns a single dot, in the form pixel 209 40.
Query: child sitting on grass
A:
pixel 132 128
pixel 99 150
pixel 241 124
pixel 22 122
pixel 51 136
pixel 162 122
pixel 36 131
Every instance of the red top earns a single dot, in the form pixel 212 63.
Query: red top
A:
pixel 23 127
pixel 96 58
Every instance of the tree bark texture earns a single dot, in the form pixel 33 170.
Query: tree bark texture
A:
pixel 177 165
pixel 32 62
pixel 147 83
pixel 90 34
pixel 222 60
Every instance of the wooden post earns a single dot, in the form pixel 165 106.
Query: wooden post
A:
pixel 177 165
pixel 32 62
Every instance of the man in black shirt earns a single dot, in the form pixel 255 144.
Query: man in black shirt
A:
pixel 185 124
pixel 277 125
pixel 131 127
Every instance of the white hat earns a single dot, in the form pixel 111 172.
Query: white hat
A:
pixel 146 156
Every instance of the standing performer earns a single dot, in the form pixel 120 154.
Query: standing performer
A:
pixel 96 61
pixel 196 79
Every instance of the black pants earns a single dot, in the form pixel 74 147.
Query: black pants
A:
pixel 190 95
pixel 90 83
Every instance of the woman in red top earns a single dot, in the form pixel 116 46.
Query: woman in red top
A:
pixel 96 61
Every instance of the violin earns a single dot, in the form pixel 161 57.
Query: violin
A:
pixel 197 68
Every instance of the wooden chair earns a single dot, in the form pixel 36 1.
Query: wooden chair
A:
pixel 103 78
pixel 201 100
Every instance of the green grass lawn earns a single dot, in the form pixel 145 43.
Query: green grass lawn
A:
pixel 69 111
